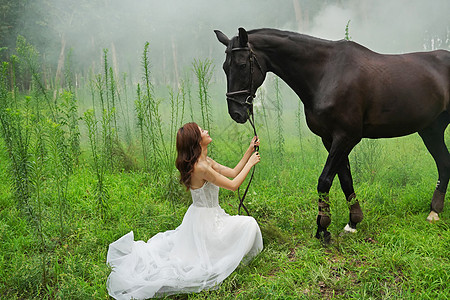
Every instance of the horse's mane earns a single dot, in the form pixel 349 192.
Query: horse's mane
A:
pixel 294 36
pixel 302 38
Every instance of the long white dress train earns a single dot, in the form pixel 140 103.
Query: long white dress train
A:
pixel 199 254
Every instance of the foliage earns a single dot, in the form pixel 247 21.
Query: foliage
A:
pixel 347 34
pixel 203 72
pixel 149 120
pixel 37 146
pixel 16 135
pixel 298 123
pixel 279 110
pixel 99 162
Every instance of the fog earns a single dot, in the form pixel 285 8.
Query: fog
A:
pixel 388 26
pixel 180 31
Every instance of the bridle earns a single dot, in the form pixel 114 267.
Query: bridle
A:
pixel 249 92
pixel 248 103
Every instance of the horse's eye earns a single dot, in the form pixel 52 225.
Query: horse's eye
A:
pixel 242 66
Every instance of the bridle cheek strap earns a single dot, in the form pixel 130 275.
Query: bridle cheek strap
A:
pixel 251 95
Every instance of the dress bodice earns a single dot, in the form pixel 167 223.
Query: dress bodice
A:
pixel 206 196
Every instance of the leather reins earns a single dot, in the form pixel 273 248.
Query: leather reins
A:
pixel 241 199
pixel 249 104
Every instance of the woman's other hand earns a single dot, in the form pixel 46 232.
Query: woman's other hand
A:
pixel 254 159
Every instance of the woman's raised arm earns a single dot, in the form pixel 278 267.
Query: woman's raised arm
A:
pixel 208 173
pixel 229 172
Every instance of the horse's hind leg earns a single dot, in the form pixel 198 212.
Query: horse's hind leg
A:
pixel 433 137
pixel 345 178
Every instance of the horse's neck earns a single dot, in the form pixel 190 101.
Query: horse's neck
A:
pixel 299 62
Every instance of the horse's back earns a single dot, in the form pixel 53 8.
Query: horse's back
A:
pixel 437 61
pixel 424 71
pixel 397 94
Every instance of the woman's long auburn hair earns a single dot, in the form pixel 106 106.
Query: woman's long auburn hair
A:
pixel 189 150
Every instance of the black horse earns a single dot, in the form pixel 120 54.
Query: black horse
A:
pixel 349 92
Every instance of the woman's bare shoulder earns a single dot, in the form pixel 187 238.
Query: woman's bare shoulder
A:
pixel 201 167
pixel 199 174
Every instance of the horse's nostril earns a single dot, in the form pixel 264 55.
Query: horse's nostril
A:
pixel 239 118
pixel 234 116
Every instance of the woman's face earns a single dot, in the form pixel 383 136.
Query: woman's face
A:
pixel 206 139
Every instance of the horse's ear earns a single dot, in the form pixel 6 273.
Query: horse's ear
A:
pixel 222 37
pixel 243 37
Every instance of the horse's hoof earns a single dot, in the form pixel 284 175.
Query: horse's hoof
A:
pixel 433 216
pixel 326 238
pixel 347 228
pixel 323 236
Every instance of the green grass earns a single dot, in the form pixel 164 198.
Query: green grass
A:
pixel 396 253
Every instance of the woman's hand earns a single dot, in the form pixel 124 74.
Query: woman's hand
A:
pixel 254 143
pixel 254 159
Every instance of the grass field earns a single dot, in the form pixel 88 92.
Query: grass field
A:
pixel 396 253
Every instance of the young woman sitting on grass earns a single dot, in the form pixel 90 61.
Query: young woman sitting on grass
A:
pixel 208 245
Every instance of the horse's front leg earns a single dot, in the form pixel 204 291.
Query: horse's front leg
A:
pixel 346 181
pixel 338 150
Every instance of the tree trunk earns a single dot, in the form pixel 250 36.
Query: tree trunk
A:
pixel 59 77
pixel 298 15
pixel 175 62
pixel 114 59
pixel 164 65
pixel 301 16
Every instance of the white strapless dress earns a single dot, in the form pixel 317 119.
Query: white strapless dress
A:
pixel 199 254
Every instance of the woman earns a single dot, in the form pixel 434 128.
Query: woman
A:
pixel 207 246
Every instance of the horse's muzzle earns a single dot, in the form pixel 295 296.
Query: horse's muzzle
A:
pixel 239 117
pixel 239 108
pixel 238 113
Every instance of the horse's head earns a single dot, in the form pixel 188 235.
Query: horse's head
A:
pixel 244 74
